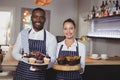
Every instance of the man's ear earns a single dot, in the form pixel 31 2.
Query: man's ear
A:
pixel 31 18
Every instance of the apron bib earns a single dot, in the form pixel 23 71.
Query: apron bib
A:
pixel 68 75
pixel 23 69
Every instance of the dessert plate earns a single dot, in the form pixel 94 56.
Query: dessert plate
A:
pixel 56 66
pixel 26 60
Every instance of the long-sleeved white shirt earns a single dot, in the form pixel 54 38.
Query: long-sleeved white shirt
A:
pixel 51 44
pixel 81 48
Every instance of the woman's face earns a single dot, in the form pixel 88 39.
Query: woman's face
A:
pixel 69 30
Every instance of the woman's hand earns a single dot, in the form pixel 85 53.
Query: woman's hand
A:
pixel 81 70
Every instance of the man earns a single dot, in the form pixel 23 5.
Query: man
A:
pixel 30 40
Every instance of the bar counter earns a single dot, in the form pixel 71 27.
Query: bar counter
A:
pixel 107 68
pixel 102 69
pixel 109 61
pixel 10 64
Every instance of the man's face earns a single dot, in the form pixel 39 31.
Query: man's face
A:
pixel 38 19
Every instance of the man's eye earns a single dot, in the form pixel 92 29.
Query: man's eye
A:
pixel 34 16
pixel 42 17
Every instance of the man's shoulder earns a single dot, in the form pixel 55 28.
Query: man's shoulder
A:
pixel 25 30
pixel 49 35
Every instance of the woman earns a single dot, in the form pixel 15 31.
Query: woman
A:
pixel 69 46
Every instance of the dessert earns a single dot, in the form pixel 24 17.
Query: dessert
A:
pixel 33 54
pixel 73 60
pixel 39 61
pixel 26 55
pixel 70 60
pixel 61 60
pixel 32 60
pixel 36 58
pixel 46 60
pixel 40 56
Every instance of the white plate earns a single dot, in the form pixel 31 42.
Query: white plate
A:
pixel 35 64
pixel 95 58
pixel 104 58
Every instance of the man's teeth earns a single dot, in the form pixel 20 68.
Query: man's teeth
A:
pixel 37 23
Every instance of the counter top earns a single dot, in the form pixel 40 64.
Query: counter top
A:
pixel 109 61
pixel 11 64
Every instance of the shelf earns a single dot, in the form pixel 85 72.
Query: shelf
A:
pixel 105 27
pixel 105 34
pixel 102 37
pixel 105 19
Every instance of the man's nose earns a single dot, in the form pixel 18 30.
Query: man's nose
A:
pixel 38 19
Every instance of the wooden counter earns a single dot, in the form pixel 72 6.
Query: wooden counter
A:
pixel 9 63
pixel 109 61
pixel 102 69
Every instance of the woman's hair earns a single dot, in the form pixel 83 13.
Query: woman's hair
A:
pixel 71 21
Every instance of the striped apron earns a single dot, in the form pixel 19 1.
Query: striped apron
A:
pixel 68 75
pixel 23 69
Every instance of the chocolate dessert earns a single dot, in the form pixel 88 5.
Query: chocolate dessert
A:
pixel 61 60
pixel 70 60
pixel 73 60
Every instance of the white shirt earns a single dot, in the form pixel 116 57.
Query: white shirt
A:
pixel 81 48
pixel 51 44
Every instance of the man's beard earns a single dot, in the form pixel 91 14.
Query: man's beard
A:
pixel 38 27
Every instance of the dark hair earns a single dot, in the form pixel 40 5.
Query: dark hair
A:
pixel 38 9
pixel 71 21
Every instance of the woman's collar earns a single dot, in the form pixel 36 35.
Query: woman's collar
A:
pixel 74 44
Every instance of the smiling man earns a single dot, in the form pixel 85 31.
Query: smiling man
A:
pixel 31 40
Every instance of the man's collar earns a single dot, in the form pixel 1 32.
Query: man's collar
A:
pixel 33 31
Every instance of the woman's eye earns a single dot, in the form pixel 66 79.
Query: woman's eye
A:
pixel 71 28
pixel 65 28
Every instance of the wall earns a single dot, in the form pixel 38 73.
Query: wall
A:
pixel 85 6
pixel 60 11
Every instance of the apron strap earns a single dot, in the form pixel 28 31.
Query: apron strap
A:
pixel 77 49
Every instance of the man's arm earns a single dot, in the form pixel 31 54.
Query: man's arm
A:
pixel 16 53
pixel 51 50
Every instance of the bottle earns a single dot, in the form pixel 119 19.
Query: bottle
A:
pixel 106 5
pixel 97 12
pixel 0 50
pixel 119 10
pixel 93 12
pixel 1 55
pixel 110 8
pixel 106 13
pixel 117 6
pixel 113 8
pixel 102 9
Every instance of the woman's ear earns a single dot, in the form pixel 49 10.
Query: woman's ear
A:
pixel 75 29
